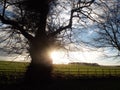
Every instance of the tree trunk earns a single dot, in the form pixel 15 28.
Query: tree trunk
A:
pixel 40 68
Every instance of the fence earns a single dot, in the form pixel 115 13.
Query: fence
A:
pixel 88 72
pixel 74 71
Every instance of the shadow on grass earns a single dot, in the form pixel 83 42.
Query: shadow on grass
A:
pixel 57 83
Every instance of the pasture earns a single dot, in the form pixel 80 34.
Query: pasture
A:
pixel 17 69
pixel 67 77
pixel 87 70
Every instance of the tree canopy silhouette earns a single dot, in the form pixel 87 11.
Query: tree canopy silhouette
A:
pixel 108 27
pixel 38 27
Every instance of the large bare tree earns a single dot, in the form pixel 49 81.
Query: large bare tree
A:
pixel 108 26
pixel 40 26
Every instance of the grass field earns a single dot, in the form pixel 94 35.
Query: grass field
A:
pixel 13 66
pixel 87 70
pixel 12 72
pixel 8 68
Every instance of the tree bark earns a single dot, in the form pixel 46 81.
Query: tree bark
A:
pixel 40 68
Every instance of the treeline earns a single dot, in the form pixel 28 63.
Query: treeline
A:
pixel 83 63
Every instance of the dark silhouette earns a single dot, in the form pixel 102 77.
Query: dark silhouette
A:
pixel 83 63
pixel 40 69
pixel 108 27
pixel 32 25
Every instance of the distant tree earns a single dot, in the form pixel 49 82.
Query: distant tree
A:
pixel 108 24
pixel 38 27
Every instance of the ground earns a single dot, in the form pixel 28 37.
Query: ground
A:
pixel 11 78
pixel 110 83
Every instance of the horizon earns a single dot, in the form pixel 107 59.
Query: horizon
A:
pixel 63 61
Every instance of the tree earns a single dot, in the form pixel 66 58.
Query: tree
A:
pixel 38 28
pixel 108 24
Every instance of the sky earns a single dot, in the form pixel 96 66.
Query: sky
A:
pixel 83 55
pixel 86 55
pixel 62 57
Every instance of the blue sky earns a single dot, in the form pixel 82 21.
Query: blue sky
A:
pixel 84 54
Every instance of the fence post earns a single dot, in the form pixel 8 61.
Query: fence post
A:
pixel 87 71
pixel 69 71
pixel 102 72
pixel 96 72
pixel 115 72
pixel 109 72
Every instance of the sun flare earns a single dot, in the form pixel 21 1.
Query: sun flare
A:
pixel 55 55
pixel 62 57
pixel 58 57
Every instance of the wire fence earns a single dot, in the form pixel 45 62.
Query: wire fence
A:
pixel 68 71
pixel 103 72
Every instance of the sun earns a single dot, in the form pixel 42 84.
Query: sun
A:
pixel 55 55
pixel 58 57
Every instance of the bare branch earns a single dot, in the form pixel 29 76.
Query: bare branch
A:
pixel 73 10
pixel 17 26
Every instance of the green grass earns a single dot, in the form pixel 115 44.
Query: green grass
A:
pixel 13 66
pixel 87 70
pixel 11 74
pixel 8 68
